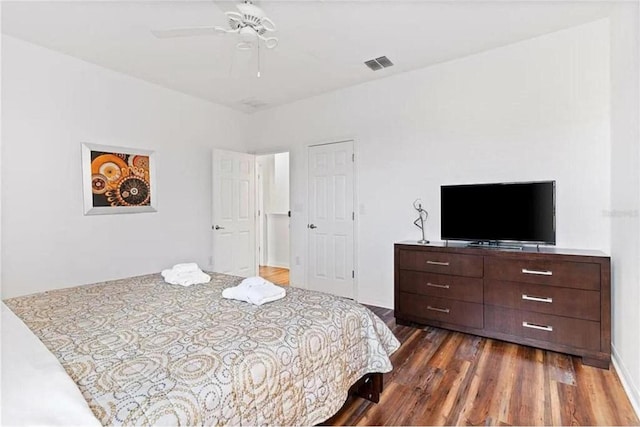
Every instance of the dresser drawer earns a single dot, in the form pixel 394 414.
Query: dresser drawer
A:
pixel 557 273
pixel 568 302
pixel 584 334
pixel 442 263
pixel 441 309
pixel 441 285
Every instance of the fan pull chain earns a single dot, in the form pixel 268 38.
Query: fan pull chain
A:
pixel 258 58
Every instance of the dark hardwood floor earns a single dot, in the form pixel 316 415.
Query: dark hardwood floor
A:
pixel 277 275
pixel 448 378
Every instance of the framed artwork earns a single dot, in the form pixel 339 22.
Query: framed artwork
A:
pixel 117 180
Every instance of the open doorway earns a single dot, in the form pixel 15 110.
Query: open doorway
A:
pixel 272 188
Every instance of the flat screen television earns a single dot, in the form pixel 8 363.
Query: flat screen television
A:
pixel 499 212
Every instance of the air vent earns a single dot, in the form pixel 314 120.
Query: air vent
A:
pixel 373 64
pixel 253 103
pixel 378 63
pixel 384 61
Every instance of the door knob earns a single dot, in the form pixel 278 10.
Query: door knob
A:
pixel 217 227
pixel 312 226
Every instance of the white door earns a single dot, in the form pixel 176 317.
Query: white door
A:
pixel 234 225
pixel 331 219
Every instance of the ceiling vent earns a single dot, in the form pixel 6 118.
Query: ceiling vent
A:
pixel 378 63
pixel 253 103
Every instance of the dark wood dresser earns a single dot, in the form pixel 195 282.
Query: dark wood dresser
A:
pixel 550 298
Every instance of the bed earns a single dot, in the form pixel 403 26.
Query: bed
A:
pixel 144 352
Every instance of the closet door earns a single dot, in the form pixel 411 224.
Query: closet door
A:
pixel 331 219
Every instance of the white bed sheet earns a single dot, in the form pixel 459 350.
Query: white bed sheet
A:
pixel 36 389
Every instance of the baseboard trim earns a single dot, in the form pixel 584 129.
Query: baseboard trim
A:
pixel 373 302
pixel 277 264
pixel 625 378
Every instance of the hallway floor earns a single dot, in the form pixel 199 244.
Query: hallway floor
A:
pixel 277 275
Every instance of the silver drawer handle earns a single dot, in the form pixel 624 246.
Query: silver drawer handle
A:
pixel 435 285
pixel 438 263
pixel 538 299
pixel 538 272
pixel 441 310
pixel 540 327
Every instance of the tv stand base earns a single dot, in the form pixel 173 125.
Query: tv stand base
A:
pixel 495 245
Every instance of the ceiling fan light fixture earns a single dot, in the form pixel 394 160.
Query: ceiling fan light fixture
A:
pixel 248 35
pixel 249 23
pixel 244 45
pixel 270 42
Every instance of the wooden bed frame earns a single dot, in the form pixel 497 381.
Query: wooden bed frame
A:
pixel 368 387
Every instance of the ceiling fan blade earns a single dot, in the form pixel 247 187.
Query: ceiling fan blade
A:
pixel 234 15
pixel 269 42
pixel 268 24
pixel 188 32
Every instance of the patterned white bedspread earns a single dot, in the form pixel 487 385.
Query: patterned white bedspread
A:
pixel 145 352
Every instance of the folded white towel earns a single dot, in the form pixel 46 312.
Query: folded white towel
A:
pixel 234 293
pixel 259 294
pixel 187 278
pixel 187 266
pixel 255 290
pixel 185 275
pixel 254 281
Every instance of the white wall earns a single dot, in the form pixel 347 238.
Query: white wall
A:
pixel 278 240
pixel 625 194
pixel 280 193
pixel 278 219
pixel 275 182
pixel 275 177
pixel 534 110
pixel 52 103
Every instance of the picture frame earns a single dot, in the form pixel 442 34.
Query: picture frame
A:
pixel 118 180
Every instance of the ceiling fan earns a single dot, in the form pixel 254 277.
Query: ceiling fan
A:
pixel 249 23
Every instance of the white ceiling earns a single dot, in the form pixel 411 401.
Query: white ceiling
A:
pixel 323 44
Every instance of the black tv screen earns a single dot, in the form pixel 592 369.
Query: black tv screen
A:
pixel 521 212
